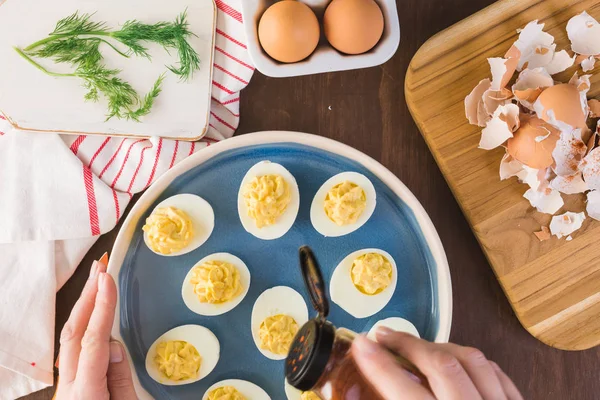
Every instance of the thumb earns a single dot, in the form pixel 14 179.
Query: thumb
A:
pixel 120 383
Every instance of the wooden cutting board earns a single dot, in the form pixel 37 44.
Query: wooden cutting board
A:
pixel 553 286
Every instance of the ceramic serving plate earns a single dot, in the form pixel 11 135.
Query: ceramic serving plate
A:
pixel 149 285
pixel 31 100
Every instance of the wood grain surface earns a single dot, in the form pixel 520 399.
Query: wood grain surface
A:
pixel 553 286
pixel 369 112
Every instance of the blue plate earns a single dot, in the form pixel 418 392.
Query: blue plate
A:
pixel 150 300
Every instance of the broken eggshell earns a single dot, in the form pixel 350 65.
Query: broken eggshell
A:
pixel 473 103
pixel 569 184
pixel 538 50
pixel 530 84
pixel 567 223
pixel 560 105
pixel 590 167
pixel 533 143
pixel 584 33
pixel 500 128
pixel 588 63
pixel 509 167
pixel 547 201
pixel 568 153
pixel 593 204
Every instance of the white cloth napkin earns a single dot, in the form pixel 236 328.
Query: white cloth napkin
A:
pixel 59 193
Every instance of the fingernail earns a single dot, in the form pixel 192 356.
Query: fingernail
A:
pixel 384 331
pixel 116 352
pixel 366 346
pixel 103 282
pixel 94 270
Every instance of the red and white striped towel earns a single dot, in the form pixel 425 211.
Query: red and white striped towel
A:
pixel 59 193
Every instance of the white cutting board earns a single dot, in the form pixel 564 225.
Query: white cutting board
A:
pixel 32 100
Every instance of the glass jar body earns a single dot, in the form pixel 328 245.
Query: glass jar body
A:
pixel 341 378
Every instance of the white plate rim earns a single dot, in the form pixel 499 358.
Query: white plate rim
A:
pixel 121 245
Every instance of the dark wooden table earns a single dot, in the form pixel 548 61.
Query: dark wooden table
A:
pixel 366 109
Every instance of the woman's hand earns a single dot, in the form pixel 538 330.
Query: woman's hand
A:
pixel 452 371
pixel 91 365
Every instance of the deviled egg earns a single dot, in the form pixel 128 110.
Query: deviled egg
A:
pixel 216 284
pixel 364 282
pixel 344 203
pixel 268 200
pixel 394 323
pixel 235 389
pixel 294 394
pixel 183 355
pixel 178 225
pixel 277 315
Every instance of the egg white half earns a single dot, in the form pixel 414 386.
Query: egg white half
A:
pixel 322 223
pixel 201 214
pixel 396 324
pixel 191 299
pixel 277 300
pixel 286 220
pixel 248 389
pixel 353 301
pixel 198 336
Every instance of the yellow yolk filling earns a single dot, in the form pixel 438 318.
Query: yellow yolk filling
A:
pixel 216 282
pixel 225 393
pixel 169 230
pixel 345 202
pixel 266 198
pixel 309 396
pixel 277 332
pixel 371 273
pixel 177 360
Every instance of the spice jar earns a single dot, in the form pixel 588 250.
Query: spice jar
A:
pixel 320 358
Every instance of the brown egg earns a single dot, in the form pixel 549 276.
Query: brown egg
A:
pixel 289 31
pixel 564 99
pixel 353 26
pixel 531 152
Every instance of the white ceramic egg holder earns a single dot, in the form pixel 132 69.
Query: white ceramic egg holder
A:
pixel 325 58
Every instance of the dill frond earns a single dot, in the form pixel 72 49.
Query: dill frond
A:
pixel 148 102
pixel 78 24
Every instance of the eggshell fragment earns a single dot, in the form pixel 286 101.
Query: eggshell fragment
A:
pixel 594 106
pixel 559 105
pixel 593 204
pixel 569 184
pixel 474 100
pixel 492 99
pixel 535 178
pixel 501 127
pixel 588 63
pixel 535 45
pixel 509 167
pixel 544 234
pixel 530 84
pixel 566 224
pixel 547 201
pixel 504 68
pixel 533 143
pixel 584 33
pixel 561 61
pixel 569 152
pixel 591 169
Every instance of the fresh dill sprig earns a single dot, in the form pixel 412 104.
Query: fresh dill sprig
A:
pixel 78 24
pixel 133 34
pixel 148 101
pixel 76 40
